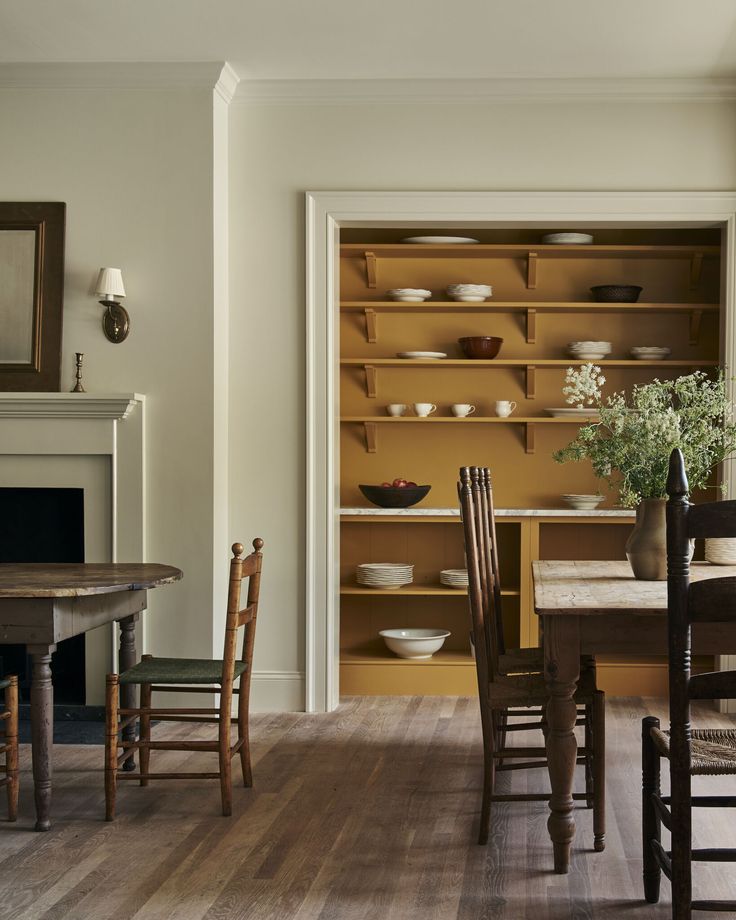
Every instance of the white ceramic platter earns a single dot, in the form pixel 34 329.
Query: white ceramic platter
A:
pixel 421 354
pixel 439 240
pixel 568 238
pixel 572 412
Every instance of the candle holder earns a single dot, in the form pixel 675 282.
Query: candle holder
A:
pixel 78 387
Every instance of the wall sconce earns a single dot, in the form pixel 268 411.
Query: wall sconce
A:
pixel 115 319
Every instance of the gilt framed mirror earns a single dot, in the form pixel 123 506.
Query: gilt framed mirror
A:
pixel 31 294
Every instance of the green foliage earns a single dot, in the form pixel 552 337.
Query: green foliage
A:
pixel 631 444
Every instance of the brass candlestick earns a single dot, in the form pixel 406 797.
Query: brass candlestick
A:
pixel 78 388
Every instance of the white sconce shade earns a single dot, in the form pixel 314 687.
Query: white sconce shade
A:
pixel 110 283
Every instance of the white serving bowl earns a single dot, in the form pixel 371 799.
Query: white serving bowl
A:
pixel 414 643
pixel 649 352
pixel 469 293
pixel 409 295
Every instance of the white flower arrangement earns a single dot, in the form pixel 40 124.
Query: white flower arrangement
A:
pixel 583 386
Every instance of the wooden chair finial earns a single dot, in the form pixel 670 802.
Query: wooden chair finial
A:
pixel 677 485
pixel 258 544
pixel 238 550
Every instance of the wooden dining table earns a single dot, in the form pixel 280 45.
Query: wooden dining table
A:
pixel 42 604
pixel 590 608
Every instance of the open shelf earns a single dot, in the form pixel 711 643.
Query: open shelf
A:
pixel 414 591
pixel 371 309
pixel 386 657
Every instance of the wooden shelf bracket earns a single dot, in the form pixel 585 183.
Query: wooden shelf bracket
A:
pixel 370 437
pixel 531 381
pixel 370 381
pixel 531 270
pixel 529 437
pixel 370 268
pixel 696 266
pixel 371 324
pixel 531 326
pixel 695 319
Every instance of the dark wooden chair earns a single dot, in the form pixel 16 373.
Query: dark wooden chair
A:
pixel 191 675
pixel 701 752
pixel 511 681
pixel 9 745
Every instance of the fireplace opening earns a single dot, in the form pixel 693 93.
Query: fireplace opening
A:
pixel 45 525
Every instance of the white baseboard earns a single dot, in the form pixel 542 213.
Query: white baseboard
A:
pixel 277 691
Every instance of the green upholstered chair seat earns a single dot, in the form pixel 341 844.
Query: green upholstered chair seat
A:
pixel 178 671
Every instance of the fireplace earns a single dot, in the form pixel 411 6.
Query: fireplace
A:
pixel 44 525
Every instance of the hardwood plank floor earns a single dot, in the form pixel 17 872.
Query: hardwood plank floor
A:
pixel 369 812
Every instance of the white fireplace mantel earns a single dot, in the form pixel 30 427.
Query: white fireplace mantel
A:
pixel 116 406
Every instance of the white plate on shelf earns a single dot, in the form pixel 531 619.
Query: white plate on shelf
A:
pixel 567 239
pixel 439 240
pixel 571 412
pixel 421 354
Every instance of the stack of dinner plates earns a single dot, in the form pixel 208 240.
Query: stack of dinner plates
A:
pixel 469 293
pixel 649 352
pixel 591 351
pixel 387 575
pixel 454 578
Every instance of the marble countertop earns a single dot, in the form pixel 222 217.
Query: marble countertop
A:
pixel 500 512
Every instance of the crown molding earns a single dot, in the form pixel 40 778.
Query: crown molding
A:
pixel 227 83
pixel 110 75
pixel 501 90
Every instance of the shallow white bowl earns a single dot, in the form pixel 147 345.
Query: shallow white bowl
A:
pixel 414 643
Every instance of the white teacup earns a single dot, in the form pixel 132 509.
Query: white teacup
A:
pixel 424 409
pixel 396 409
pixel 460 410
pixel 505 407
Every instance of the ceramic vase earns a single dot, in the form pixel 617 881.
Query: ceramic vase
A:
pixel 646 548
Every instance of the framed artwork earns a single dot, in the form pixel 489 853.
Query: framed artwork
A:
pixel 31 294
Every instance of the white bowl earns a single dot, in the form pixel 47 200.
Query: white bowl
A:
pixel 583 502
pixel 409 295
pixel 469 289
pixel 568 238
pixel 414 643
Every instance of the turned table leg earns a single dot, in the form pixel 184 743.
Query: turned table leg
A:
pixel 127 658
pixel 42 731
pixel 561 672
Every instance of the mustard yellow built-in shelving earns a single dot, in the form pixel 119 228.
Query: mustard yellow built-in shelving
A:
pixel 413 591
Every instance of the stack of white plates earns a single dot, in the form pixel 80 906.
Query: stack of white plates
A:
pixel 568 239
pixel 387 575
pixel 589 351
pixel 649 353
pixel 469 293
pixel 408 295
pixel 454 578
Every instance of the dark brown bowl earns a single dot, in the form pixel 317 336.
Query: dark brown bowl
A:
pixel 616 293
pixel 480 346
pixel 392 497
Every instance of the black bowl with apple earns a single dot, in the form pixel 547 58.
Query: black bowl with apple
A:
pixel 400 493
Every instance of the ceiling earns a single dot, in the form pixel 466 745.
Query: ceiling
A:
pixel 384 39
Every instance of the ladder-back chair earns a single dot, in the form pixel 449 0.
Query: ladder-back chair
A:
pixel 701 752
pixel 511 681
pixel 190 675
pixel 9 743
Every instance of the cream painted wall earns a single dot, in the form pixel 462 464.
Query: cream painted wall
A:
pixel 277 152
pixel 135 169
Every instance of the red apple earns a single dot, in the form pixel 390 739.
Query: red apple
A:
pixel 385 485
pixel 399 483
pixel 411 485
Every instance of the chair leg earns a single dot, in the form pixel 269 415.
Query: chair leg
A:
pixel 11 740
pixel 651 825
pixel 589 742
pixel 681 842
pixel 111 744
pixel 226 770
pixel 244 735
pixel 144 751
pixel 489 776
pixel 599 771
